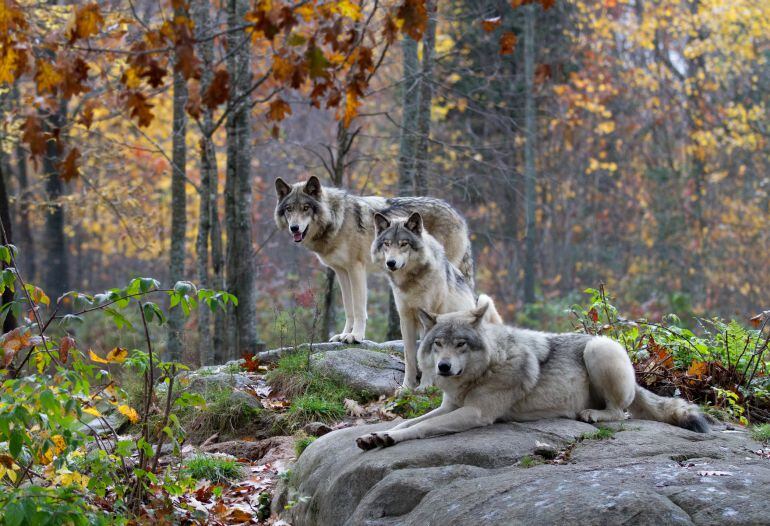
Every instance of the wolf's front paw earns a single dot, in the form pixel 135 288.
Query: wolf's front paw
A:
pixel 337 337
pixel 351 337
pixel 587 415
pixel 373 440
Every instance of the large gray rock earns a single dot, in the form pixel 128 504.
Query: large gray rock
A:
pixel 373 372
pixel 393 346
pixel 648 473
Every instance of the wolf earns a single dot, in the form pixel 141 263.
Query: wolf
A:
pixel 339 228
pixel 421 277
pixel 491 372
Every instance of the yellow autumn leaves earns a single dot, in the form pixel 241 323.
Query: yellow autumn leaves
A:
pixel 116 355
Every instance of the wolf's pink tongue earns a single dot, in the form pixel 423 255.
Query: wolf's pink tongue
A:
pixel 297 237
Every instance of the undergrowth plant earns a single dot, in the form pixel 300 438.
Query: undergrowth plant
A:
pixel 721 363
pixel 60 447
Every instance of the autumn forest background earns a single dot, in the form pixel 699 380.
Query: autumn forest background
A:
pixel 620 146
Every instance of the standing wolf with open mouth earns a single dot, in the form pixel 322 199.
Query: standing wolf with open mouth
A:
pixel 339 228
pixel 421 277
pixel 491 373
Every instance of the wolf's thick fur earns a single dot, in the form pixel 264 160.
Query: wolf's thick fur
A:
pixel 421 277
pixel 339 228
pixel 493 373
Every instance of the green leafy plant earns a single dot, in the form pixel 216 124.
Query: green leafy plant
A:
pixel 61 406
pixel 724 363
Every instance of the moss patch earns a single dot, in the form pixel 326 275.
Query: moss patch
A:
pixel 411 404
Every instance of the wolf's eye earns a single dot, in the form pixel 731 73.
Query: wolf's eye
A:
pixel 461 344
pixel 386 243
pixel 438 344
pixel 289 209
pixel 306 208
pixel 402 244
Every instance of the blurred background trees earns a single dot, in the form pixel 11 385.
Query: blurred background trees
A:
pixel 585 142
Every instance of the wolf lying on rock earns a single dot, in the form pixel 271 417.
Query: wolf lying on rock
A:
pixel 491 372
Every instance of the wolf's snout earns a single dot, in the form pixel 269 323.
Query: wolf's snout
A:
pixel 294 228
pixel 444 367
pixel 391 263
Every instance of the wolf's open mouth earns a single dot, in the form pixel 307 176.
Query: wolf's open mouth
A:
pixel 299 236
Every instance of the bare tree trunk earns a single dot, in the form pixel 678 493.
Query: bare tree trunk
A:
pixel 240 269
pixel 202 18
pixel 529 152
pixel 338 165
pixel 407 146
pixel 56 269
pixel 415 129
pixel 5 217
pixel 422 160
pixel 178 211
pixel 26 243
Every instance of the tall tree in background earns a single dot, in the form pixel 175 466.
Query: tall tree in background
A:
pixel 210 346
pixel 7 238
pixel 530 132
pixel 56 268
pixel 425 100
pixel 24 196
pixel 240 264
pixel 178 203
pixel 417 96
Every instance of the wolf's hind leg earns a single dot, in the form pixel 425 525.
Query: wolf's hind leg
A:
pixel 612 379
pixel 347 302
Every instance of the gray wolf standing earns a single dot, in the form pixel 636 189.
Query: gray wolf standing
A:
pixel 421 277
pixel 339 228
pixel 495 373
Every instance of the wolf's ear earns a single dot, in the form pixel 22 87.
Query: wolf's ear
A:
pixel 414 223
pixel 380 222
pixel 281 188
pixel 481 309
pixel 313 187
pixel 427 319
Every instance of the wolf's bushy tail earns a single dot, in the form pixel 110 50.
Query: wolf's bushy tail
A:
pixel 649 406
pixel 466 267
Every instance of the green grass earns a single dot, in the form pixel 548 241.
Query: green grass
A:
pixel 411 404
pixel 302 443
pixel 314 396
pixel 214 469
pixel 528 461
pixel 602 433
pixel 312 408
pixel 761 433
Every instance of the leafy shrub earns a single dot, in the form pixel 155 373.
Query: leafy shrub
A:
pixel 725 364
pixel 217 470
pixel 58 404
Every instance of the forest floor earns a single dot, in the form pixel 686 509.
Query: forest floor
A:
pixel 262 443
